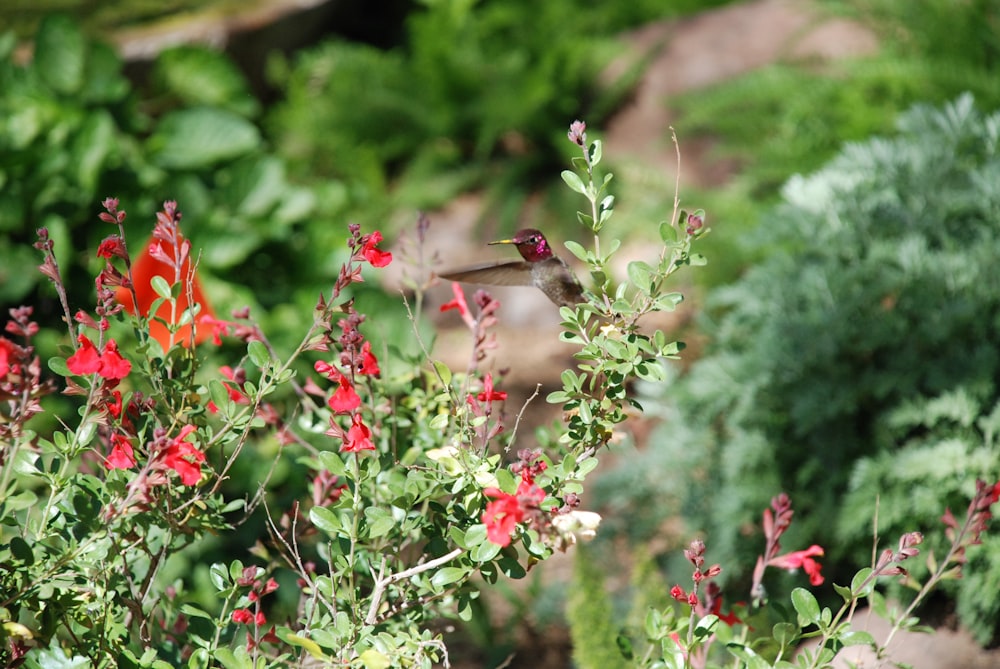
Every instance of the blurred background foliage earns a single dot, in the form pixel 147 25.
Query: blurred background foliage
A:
pixel 850 317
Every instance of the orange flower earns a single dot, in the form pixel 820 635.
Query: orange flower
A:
pixel 144 269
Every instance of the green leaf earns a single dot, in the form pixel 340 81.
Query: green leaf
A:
pixel 485 551
pixel 311 646
pixel 596 152
pixel 578 250
pixel 258 353
pixel 806 606
pixel 443 371
pixel 160 286
pixel 574 181
pixel 91 147
pixel 858 584
pixel 21 551
pixel 202 76
pixel 60 54
pixel 325 519
pixel 380 521
pixel 857 638
pixel 202 137
pixel 372 659
pixel 447 576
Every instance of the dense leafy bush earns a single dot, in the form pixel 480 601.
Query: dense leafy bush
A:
pixel 72 128
pixel 473 82
pixel 833 361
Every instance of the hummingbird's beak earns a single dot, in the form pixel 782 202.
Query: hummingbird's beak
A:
pixel 501 241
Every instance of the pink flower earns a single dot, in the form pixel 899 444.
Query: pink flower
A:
pixel 121 455
pixel 373 255
pixel 801 560
pixel 358 437
pixel 184 458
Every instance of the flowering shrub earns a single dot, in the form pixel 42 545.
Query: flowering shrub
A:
pixel 406 502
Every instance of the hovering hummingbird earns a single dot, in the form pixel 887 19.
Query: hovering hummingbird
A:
pixel 540 268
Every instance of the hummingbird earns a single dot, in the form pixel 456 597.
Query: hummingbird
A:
pixel 540 268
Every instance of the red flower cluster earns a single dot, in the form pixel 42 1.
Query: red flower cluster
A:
pixel 109 364
pixel 776 521
pixel 506 511
pixel 244 616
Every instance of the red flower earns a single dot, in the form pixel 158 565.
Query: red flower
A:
pixel 801 560
pixel 369 363
pixel 728 618
pixel 344 399
pixel 376 257
pixel 109 364
pixel 504 513
pixel 112 247
pixel 86 360
pixel 215 326
pixel 501 516
pixel 6 353
pixel 242 616
pixel 113 365
pixel 184 458
pixel 488 394
pixel 677 592
pixel 121 455
pixel 358 437
pixel 150 264
pixel 460 304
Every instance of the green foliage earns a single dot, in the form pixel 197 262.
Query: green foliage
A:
pixel 882 304
pixel 72 130
pixel 592 617
pixel 473 82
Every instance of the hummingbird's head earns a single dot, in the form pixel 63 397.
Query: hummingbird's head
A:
pixel 530 243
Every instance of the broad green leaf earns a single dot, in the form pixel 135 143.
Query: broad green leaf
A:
pixel 202 137
pixel 60 54
pixel 202 76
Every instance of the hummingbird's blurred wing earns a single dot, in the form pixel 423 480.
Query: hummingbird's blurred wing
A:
pixel 507 273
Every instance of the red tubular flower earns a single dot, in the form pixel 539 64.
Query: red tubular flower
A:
pixel 150 264
pixel 801 560
pixel 121 455
pixel 488 394
pixel 373 255
pixel 460 304
pixel 358 437
pixel 184 458
pixel 677 592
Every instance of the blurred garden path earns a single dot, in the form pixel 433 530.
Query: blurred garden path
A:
pixel 688 54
